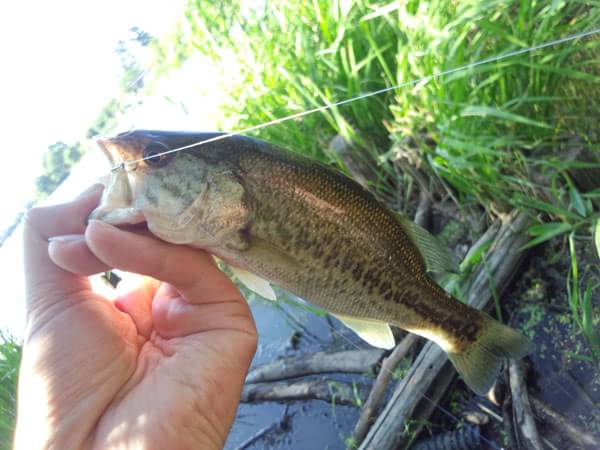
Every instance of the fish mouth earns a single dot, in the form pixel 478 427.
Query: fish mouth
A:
pixel 116 205
pixel 117 216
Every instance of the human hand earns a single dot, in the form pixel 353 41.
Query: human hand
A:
pixel 160 367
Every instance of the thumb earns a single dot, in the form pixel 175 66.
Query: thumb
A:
pixel 47 283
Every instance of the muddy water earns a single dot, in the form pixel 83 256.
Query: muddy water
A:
pixel 563 372
pixel 288 330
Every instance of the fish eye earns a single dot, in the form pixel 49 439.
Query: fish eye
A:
pixel 153 154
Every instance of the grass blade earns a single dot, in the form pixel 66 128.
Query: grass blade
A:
pixel 487 111
pixel 597 237
pixel 547 231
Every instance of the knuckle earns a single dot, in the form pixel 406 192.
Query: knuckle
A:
pixel 35 215
pixel 36 219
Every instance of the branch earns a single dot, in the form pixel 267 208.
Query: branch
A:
pixel 359 161
pixel 523 416
pixel 423 214
pixel 338 392
pixel 351 361
pixel 560 422
pixel 381 383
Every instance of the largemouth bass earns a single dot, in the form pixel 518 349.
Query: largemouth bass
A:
pixel 306 227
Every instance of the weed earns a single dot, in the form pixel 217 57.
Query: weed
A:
pixel 580 301
pixel 500 135
pixel 10 358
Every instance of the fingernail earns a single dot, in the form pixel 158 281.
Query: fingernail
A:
pixel 92 189
pixel 66 238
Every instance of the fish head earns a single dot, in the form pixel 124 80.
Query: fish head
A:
pixel 151 183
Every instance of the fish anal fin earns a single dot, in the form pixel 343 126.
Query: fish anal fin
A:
pixel 255 283
pixel 376 333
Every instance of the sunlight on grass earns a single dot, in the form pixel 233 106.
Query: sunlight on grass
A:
pixel 503 135
pixel 10 358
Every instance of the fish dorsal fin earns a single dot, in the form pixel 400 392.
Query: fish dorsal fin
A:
pixel 437 257
pixel 376 333
pixel 255 283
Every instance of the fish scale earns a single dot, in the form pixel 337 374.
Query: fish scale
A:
pixel 365 296
pixel 306 227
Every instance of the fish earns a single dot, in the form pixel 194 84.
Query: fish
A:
pixel 277 217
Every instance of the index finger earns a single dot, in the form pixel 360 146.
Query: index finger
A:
pixel 191 271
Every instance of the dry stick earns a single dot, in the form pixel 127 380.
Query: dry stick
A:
pixel 504 257
pixel 507 421
pixel 360 163
pixel 560 422
pixel 340 392
pixel 424 410
pixel 381 383
pixel 523 416
pixel 423 213
pixel 351 361
pixel 417 175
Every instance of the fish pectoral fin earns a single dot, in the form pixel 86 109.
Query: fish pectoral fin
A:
pixel 376 333
pixel 261 249
pixel 437 257
pixel 255 283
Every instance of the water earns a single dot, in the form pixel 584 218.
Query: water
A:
pixel 289 330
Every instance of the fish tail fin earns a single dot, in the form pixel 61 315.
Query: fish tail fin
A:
pixel 480 362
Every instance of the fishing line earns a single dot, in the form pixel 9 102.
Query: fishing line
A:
pixel 414 82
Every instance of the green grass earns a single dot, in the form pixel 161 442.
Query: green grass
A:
pixel 294 56
pixel 496 136
pixel 580 302
pixel 10 358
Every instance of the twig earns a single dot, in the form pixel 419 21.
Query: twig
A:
pixel 560 422
pixel 507 421
pixel 434 394
pixel 361 164
pixel 418 175
pixel 423 214
pixel 266 430
pixel 381 383
pixel 340 392
pixel 351 361
pixel 523 416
